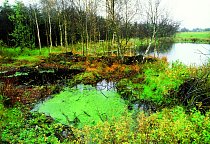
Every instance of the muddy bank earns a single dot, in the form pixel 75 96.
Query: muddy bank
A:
pixel 37 76
pixel 30 84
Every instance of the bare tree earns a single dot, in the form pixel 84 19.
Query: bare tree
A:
pixel 59 16
pixel 92 11
pixel 127 12
pixel 120 13
pixel 86 24
pixel 79 7
pixel 153 16
pixel 37 27
pixel 110 17
pixel 47 8
pixel 159 24
pixel 64 4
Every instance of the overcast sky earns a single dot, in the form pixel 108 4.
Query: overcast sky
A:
pixel 191 13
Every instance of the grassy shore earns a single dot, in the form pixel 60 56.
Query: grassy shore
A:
pixel 193 37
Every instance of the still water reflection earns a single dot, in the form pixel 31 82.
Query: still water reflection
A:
pixel 187 53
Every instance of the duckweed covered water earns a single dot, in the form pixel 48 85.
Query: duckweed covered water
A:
pixel 84 105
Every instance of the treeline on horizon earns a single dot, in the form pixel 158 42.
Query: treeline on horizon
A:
pixel 63 22
pixel 194 30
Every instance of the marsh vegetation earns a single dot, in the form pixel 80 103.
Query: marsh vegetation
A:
pixel 98 79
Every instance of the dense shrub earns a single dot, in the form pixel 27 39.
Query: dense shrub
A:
pixel 19 127
pixel 167 126
pixel 160 80
pixel 195 91
pixel 158 83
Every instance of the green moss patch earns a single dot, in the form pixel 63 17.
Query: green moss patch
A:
pixel 84 105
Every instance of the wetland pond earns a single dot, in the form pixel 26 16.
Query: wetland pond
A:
pixel 84 104
pixel 87 105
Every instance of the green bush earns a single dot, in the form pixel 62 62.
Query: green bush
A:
pixel 156 83
pixel 159 83
pixel 166 126
pixel 20 127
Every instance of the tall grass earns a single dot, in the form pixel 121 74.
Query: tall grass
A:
pixel 28 54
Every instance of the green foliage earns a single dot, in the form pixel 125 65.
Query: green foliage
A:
pixel 156 83
pixel 22 33
pixel 30 55
pixel 166 126
pixel 2 44
pixel 159 82
pixel 20 127
pixel 195 89
pixel 9 52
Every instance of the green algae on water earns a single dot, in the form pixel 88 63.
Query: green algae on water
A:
pixel 84 105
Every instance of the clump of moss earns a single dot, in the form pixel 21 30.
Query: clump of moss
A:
pixel 87 78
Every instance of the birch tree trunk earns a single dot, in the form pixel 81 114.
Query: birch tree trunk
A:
pixel 50 31
pixel 65 33
pixel 153 13
pixel 150 42
pixel 86 28
pixel 60 29
pixel 65 26
pixel 38 34
pixel 61 33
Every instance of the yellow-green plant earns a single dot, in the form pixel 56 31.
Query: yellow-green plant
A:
pixel 167 126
